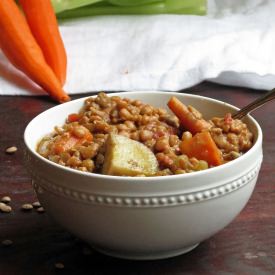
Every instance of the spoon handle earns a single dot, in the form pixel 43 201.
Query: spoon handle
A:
pixel 255 104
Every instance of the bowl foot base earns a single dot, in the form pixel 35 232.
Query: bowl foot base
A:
pixel 146 256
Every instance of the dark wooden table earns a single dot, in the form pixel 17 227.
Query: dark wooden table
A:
pixel 246 246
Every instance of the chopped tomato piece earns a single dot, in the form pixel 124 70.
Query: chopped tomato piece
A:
pixel 228 118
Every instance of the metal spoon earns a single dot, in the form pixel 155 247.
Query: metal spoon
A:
pixel 255 104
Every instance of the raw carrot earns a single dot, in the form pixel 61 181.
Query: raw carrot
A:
pixel 44 27
pixel 187 118
pixel 202 147
pixel 20 47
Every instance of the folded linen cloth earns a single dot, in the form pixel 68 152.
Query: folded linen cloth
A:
pixel 232 45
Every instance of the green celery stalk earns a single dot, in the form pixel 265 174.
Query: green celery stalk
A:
pixel 131 2
pixel 62 5
pixel 197 7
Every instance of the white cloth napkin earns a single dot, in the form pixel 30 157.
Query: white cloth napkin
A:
pixel 234 44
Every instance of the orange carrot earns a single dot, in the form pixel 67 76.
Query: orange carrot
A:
pixel 64 144
pixel 73 117
pixel 43 24
pixel 187 118
pixel 70 140
pixel 202 147
pixel 20 47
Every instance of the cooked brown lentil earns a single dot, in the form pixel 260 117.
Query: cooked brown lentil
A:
pixel 154 127
pixel 233 138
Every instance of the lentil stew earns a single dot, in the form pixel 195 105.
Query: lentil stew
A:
pixel 82 141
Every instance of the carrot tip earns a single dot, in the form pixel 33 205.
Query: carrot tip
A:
pixel 64 99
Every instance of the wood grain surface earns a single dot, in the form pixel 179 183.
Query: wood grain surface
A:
pixel 246 246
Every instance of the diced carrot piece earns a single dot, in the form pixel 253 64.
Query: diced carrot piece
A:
pixel 69 141
pixel 64 144
pixel 88 137
pixel 187 118
pixel 73 117
pixel 202 147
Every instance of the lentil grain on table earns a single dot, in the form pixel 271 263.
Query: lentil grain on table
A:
pixel 40 210
pixel 5 199
pixel 26 207
pixel 7 242
pixel 11 150
pixel 59 265
pixel 5 208
pixel 36 204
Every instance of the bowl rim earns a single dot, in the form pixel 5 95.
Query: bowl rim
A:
pixel 129 179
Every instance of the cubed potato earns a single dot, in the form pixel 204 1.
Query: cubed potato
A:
pixel 127 157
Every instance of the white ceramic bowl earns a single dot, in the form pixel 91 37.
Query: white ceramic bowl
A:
pixel 143 218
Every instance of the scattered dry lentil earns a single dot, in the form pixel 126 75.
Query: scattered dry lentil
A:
pixel 59 265
pixel 40 210
pixel 7 242
pixel 11 150
pixel 27 207
pixel 5 208
pixel 36 204
pixel 6 199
